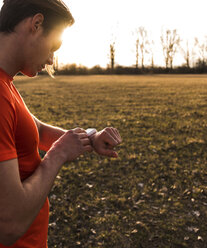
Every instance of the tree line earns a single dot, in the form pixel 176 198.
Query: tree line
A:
pixel 171 43
pixel 194 57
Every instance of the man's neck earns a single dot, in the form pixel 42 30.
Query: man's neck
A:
pixel 10 54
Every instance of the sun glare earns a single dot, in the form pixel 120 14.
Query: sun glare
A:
pixel 100 22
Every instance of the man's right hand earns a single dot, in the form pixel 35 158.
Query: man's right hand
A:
pixel 71 145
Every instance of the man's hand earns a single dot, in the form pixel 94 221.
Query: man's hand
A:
pixel 71 145
pixel 104 141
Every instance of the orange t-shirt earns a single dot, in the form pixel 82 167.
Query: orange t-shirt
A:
pixel 19 139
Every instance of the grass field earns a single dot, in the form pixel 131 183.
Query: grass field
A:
pixel 155 193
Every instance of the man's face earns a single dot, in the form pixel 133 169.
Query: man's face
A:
pixel 40 50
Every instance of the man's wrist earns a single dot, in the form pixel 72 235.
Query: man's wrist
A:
pixel 91 132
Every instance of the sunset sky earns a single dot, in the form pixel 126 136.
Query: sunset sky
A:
pixel 99 22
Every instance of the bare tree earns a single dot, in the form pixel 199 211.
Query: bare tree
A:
pixel 137 52
pixel 186 54
pixel 112 54
pixel 141 45
pixel 170 44
pixel 193 57
pixel 202 50
pixel 151 51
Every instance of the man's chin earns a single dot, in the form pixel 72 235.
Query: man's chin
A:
pixel 30 73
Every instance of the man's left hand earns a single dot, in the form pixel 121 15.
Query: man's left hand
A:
pixel 105 141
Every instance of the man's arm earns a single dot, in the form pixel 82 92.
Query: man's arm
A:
pixel 47 134
pixel 103 141
pixel 20 202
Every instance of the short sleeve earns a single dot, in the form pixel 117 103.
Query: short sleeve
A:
pixel 7 124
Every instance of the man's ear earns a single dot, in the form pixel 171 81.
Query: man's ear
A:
pixel 37 21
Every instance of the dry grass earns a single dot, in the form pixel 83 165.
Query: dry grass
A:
pixel 155 193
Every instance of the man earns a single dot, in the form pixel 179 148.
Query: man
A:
pixel 30 32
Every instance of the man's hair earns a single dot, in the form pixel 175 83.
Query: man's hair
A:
pixel 55 13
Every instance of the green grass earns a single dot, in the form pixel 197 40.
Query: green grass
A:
pixel 155 193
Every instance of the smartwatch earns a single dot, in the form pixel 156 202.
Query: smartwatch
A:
pixel 91 131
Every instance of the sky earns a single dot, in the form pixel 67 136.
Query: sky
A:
pixel 100 22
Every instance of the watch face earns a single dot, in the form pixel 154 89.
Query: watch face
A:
pixel 90 131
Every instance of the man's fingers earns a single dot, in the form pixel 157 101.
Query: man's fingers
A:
pixel 118 135
pixel 79 130
pixel 109 139
pixel 83 136
pixel 88 148
pixel 112 136
pixel 86 141
pixel 112 133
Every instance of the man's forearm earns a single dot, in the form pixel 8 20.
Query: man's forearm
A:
pixel 48 135
pixel 38 186
pixel 21 202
